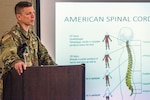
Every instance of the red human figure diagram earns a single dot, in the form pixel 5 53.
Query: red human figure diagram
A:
pixel 106 39
pixel 107 77
pixel 106 58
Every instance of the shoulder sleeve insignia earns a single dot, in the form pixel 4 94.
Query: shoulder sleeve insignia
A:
pixel 4 38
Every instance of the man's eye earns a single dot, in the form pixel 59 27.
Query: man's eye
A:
pixel 30 13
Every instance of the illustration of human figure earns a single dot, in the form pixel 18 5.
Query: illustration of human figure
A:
pixel 107 77
pixel 125 37
pixel 106 58
pixel 107 94
pixel 106 39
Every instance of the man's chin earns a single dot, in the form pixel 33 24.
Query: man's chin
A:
pixel 31 24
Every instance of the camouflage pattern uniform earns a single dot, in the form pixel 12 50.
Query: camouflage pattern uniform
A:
pixel 11 50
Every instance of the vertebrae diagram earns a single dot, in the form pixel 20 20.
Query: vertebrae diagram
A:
pixel 126 35
pixel 129 70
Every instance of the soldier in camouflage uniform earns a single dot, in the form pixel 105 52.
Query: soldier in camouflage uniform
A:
pixel 21 47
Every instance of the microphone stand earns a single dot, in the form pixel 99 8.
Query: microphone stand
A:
pixel 24 57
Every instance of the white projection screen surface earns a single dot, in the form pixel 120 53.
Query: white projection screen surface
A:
pixel 112 39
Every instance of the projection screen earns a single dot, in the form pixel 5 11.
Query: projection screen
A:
pixel 113 40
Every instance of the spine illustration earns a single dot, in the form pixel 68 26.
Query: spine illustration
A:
pixel 129 70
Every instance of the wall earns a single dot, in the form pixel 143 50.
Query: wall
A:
pixel 7 17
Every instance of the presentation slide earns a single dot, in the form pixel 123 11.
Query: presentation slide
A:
pixel 112 39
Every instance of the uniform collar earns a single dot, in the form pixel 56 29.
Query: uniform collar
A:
pixel 22 31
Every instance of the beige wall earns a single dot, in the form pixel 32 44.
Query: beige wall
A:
pixel 7 17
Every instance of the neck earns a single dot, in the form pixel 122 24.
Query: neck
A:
pixel 25 27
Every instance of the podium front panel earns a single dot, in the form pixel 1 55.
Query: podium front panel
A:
pixel 46 83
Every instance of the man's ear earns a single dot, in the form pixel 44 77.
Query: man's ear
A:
pixel 18 16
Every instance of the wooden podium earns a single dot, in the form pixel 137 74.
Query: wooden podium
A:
pixel 46 83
